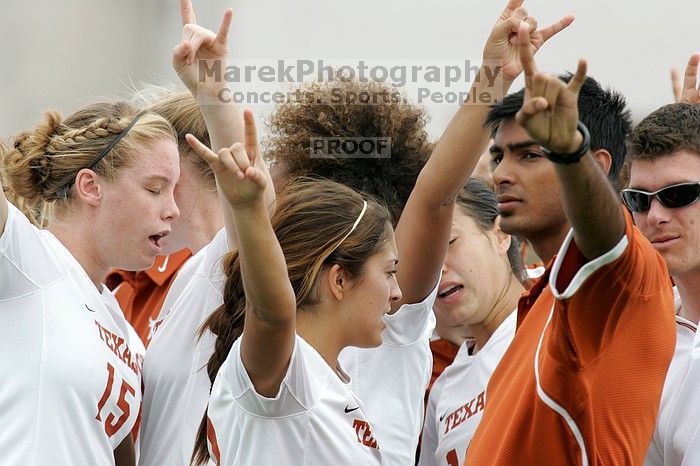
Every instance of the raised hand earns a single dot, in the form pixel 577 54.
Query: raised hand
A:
pixel 550 107
pixel 688 91
pixel 237 174
pixel 501 46
pixel 199 43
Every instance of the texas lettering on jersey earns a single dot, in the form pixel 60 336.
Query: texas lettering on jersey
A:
pixel 364 433
pixel 118 346
pixel 465 411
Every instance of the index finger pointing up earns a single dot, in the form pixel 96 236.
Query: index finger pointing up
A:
pixel 525 52
pixel 187 12
pixel 202 150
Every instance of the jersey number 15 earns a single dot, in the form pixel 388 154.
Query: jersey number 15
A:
pixel 112 423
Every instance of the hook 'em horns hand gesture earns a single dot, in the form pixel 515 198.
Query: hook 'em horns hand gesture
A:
pixel 501 46
pixel 241 182
pixel 550 106
pixel 199 43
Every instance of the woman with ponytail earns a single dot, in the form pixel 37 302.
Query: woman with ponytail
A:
pixel 315 278
pixel 70 362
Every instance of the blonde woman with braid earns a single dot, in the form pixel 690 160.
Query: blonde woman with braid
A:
pixel 70 363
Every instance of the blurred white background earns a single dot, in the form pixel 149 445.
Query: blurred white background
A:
pixel 61 54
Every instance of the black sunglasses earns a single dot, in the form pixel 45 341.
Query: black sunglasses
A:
pixel 677 195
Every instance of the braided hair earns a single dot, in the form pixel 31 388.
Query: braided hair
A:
pixel 40 164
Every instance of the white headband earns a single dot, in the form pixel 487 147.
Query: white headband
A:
pixel 354 225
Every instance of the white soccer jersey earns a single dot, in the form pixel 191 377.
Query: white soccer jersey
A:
pixel 315 419
pixel 176 384
pixel 71 387
pixel 457 399
pixel 676 439
pixel 391 379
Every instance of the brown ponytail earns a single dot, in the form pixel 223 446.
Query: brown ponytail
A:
pixel 311 218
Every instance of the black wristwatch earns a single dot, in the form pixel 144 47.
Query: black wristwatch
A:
pixel 574 156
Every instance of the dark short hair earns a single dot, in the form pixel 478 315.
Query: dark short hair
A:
pixel 671 128
pixel 603 111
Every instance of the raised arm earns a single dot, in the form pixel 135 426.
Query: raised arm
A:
pixel 550 115
pixel 687 91
pixel 422 233
pixel 199 47
pixel 269 328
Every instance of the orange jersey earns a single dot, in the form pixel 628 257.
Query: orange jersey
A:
pixel 141 294
pixel 444 352
pixel 581 382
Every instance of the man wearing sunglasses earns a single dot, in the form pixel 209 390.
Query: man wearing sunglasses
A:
pixel 664 187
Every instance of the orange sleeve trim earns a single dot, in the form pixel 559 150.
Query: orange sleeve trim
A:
pixel 569 262
pixel 213 443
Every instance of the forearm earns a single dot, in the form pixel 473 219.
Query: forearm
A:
pixel 460 146
pixel 229 226
pixel 263 268
pixel 424 228
pixel 226 126
pixel 224 122
pixel 591 206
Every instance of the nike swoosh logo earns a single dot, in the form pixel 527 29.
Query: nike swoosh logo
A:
pixel 349 410
pixel 443 416
pixel 162 268
pixel 86 307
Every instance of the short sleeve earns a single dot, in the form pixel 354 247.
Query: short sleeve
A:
pixel 594 297
pixel 297 393
pixel 411 323
pixel 27 262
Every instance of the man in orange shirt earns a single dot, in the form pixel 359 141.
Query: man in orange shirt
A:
pixel 574 387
